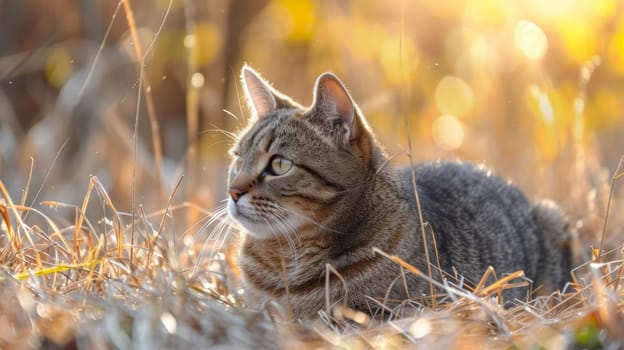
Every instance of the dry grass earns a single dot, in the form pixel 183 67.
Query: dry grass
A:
pixel 83 284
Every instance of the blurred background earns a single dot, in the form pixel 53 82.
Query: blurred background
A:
pixel 533 89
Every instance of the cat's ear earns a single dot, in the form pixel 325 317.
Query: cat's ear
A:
pixel 261 97
pixel 332 101
pixel 258 92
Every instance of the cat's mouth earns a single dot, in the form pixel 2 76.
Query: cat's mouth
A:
pixel 262 223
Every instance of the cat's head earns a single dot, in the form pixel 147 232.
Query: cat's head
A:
pixel 293 165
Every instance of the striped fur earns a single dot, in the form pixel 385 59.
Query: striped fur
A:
pixel 339 199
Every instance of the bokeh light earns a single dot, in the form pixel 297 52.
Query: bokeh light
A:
pixel 58 67
pixel 454 96
pixel 545 106
pixel 420 328
pixel 531 40
pixel 197 80
pixel 190 40
pixel 448 132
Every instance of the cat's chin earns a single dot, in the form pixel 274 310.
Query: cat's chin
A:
pixel 263 230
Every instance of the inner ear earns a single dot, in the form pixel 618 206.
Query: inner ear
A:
pixel 260 95
pixel 331 100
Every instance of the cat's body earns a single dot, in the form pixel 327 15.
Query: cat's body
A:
pixel 313 187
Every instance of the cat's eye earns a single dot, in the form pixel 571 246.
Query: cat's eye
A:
pixel 279 166
pixel 237 165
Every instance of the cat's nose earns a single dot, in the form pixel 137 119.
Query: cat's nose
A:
pixel 236 193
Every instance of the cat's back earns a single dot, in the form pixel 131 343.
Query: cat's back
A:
pixel 478 219
pixel 447 181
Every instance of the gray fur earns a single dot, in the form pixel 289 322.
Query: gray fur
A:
pixel 492 224
pixel 340 199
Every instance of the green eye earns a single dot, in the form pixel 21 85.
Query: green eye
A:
pixel 236 166
pixel 279 166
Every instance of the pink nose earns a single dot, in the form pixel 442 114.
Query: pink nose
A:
pixel 236 193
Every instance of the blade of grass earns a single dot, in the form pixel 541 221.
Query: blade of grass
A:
pixel 80 217
pixel 329 270
pixel 93 263
pixel 100 49
pixel 54 269
pixel 48 172
pixel 404 109
pixel 56 231
pixel 617 174
pixel 145 84
pixel 16 242
pixel 118 230
pixel 4 212
pixel 152 242
pixel 192 104
pixel 28 181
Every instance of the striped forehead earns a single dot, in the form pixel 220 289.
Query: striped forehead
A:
pixel 285 126
pixel 263 133
pixel 260 134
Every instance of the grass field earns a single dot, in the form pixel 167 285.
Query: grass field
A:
pixel 116 117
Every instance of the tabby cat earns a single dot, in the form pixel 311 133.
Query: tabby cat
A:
pixel 311 186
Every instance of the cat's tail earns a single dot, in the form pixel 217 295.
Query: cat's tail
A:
pixel 556 250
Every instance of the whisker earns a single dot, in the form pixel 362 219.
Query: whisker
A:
pixel 209 220
pixel 275 232
pixel 231 114
pixel 288 232
pixel 230 135
pixel 218 235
